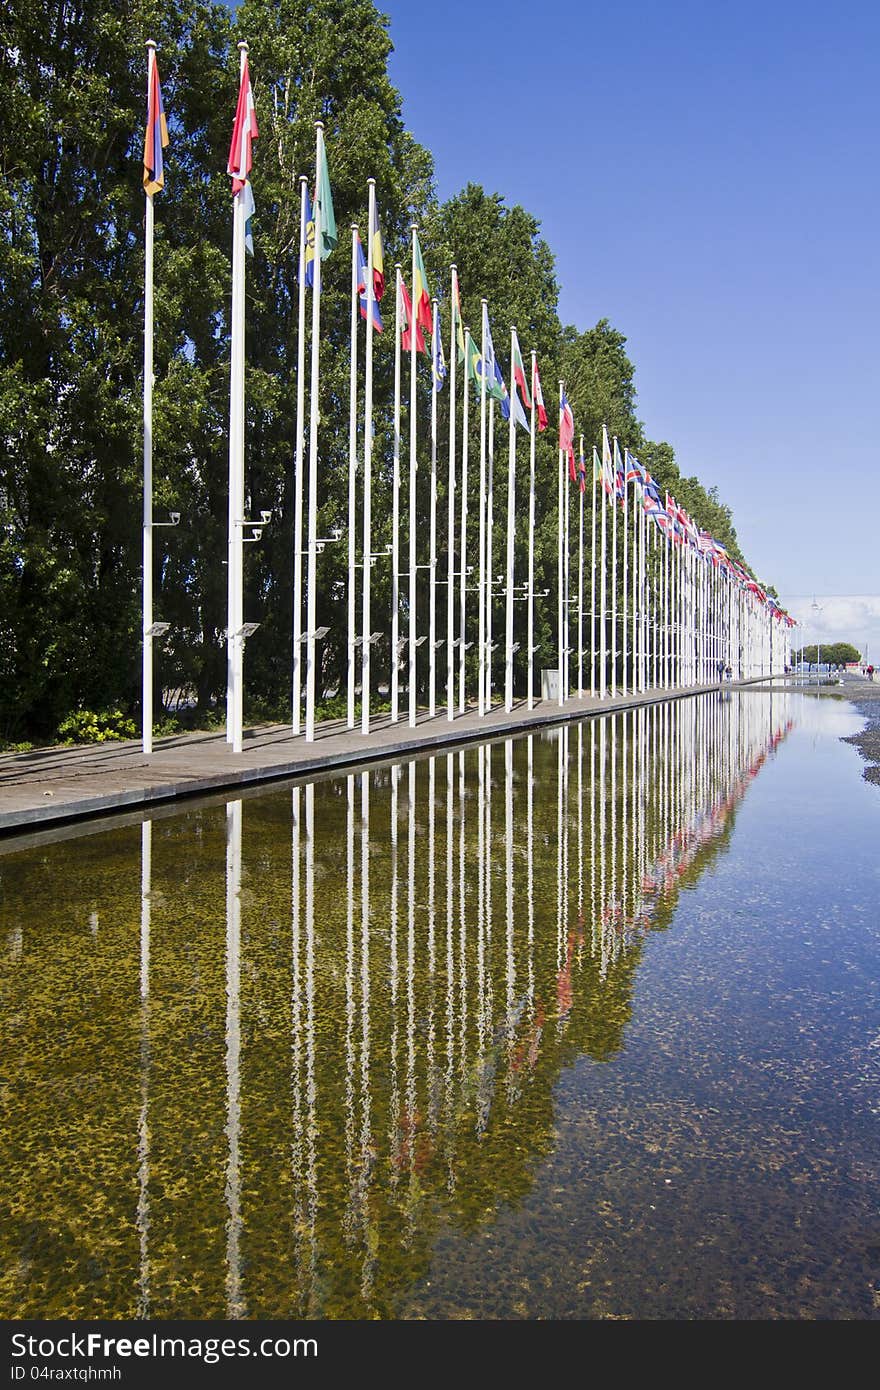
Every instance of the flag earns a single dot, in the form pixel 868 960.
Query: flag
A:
pixel 421 294
pixel 582 471
pixel 438 361
pixel 597 466
pixel 607 465
pixel 517 371
pixel 378 260
pixel 362 289
pixel 456 314
pixel 310 239
pixel 244 132
pixel 619 479
pixel 566 432
pixel 474 363
pixel 247 195
pixel 539 399
pixel 324 202
pixel 156 137
pixel 405 321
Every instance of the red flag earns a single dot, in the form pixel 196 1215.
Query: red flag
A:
pixel 406 320
pixel 539 399
pixel 566 434
pixel 244 131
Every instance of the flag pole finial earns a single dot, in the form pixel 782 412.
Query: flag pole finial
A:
pixel 242 47
pixel 151 43
pixel 371 181
pixel 319 125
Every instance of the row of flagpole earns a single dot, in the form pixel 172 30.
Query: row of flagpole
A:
pixel 656 642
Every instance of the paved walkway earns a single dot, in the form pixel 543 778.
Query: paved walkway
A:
pixel 53 786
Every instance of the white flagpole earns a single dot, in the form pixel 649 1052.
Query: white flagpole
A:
pixel 412 492
pixel 311 613
pixel 299 461
pixel 366 645
pixel 490 563
pixel 432 557
pixel 593 581
pixel 580 629
pixel 531 586
pixel 625 612
pixel 511 524
pixel 352 474
pixel 615 457
pixel 395 510
pixel 450 520
pixel 465 403
pixel 603 579
pixel 147 683
pixel 481 636
pixel 234 641
pixel 560 563
pixel 566 645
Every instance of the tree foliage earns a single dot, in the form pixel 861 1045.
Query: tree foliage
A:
pixel 71 347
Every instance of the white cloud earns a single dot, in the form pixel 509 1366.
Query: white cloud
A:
pixel 851 618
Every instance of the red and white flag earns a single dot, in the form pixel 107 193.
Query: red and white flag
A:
pixel 244 131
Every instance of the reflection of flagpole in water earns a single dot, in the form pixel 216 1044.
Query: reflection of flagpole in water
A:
pixel 349 1003
pixel 432 926
pixel 235 1307
pixel 367 1150
pixel 560 947
pixel 296 1148
pixel 580 824
pixel 410 1116
pixel 311 1087
pixel 462 928
pixel 395 1088
pixel 530 865
pixel 143 1205
pixel 602 847
pixel 508 867
pixel 450 967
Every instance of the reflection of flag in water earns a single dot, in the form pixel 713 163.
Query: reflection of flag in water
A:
pixel 156 137
pixel 566 432
pixel 362 270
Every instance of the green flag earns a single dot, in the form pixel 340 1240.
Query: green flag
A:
pixel 324 200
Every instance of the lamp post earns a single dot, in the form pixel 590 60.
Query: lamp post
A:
pixel 817 609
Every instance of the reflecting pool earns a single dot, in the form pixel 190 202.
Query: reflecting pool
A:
pixel 578 1025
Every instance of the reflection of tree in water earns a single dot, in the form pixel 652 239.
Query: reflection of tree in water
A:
pixel 464 929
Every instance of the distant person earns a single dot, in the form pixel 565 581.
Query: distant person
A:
pixel 720 672
pixel 870 673
pixel 729 673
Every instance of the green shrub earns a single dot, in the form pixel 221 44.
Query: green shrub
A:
pixel 96 726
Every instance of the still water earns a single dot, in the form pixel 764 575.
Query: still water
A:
pixel 578 1025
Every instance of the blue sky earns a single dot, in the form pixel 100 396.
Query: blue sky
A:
pixel 706 177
